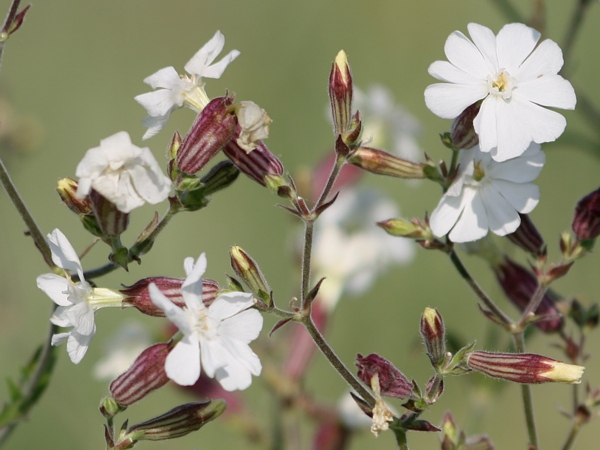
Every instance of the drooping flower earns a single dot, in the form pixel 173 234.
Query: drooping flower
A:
pixel 173 91
pixel 513 79
pixel 123 173
pixel 488 195
pixel 215 338
pixel 76 302
pixel 254 123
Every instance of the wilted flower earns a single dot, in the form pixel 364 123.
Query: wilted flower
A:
pixel 174 91
pixel 123 173
pixel 488 195
pixel 216 337
pixel 392 382
pixel 254 124
pixel 76 302
pixel 512 77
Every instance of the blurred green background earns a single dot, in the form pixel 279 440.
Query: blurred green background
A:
pixel 72 71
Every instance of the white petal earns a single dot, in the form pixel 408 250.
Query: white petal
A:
pixel 173 312
pixel 77 345
pixel 473 222
pixel 159 103
pixel 233 377
pixel 149 182
pixel 244 327
pixel 513 133
pixel 229 304
pixel 243 355
pixel 81 315
pixel 54 287
pixel 544 125
pixel 206 55
pixel 445 215
pixel 485 124
pixel 444 71
pixel 183 363
pixel 523 169
pixel 166 78
pixel 546 59
pixel 447 100
pixel 60 317
pixel 462 53
pixel 194 271
pixel 502 216
pixel 213 356
pixel 63 253
pixel 514 43
pixel 154 125
pixel 60 338
pixel 216 70
pixel 485 40
pixel 548 90
pixel 523 197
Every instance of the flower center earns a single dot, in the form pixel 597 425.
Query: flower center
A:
pixel 478 171
pixel 205 325
pixel 502 84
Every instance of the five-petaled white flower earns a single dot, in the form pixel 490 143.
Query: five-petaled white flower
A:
pixel 487 195
pixel 123 173
pixel 174 91
pixel 512 77
pixel 76 301
pixel 214 338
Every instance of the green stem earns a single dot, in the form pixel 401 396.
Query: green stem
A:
pixel 519 341
pixel 572 435
pixel 535 301
pixel 464 273
pixel 309 226
pixel 336 362
pixel 335 171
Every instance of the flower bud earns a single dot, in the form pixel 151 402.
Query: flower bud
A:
pixel 67 189
pixel 433 333
pixel 211 131
pixel 462 131
pixel 247 269
pixel 586 222
pixel 222 175
pixel 138 295
pixel 384 163
pixel 413 229
pixel 110 219
pixel 392 382
pixel 109 407
pixel 525 368
pixel 177 422
pixel 254 123
pixel 256 164
pixel 519 286
pixel 527 236
pixel 145 375
pixel 340 94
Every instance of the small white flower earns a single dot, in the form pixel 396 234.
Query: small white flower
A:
pixel 387 124
pixel 512 77
pixel 76 301
pixel 254 123
pixel 174 91
pixel 350 250
pixel 215 338
pixel 123 173
pixel 488 195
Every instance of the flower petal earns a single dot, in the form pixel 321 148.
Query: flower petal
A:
pixel 514 43
pixel 548 90
pixel 234 376
pixel 78 344
pixel 244 326
pixel 445 215
pixel 444 71
pixel 165 78
pixel 447 100
pixel 546 59
pixel 173 312
pixel 228 304
pixel 501 215
pixel 519 170
pixel 55 287
pixel 523 197
pixel 63 253
pixel 206 55
pixel 473 222
pixel 485 40
pixel 160 102
pixel 183 363
pixel 462 53
pixel 213 356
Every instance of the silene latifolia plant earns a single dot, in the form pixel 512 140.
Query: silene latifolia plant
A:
pixel 500 92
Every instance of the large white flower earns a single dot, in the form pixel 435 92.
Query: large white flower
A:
pixel 512 77
pixel 174 91
pixel 76 301
pixel 123 173
pixel 350 250
pixel 214 338
pixel 488 195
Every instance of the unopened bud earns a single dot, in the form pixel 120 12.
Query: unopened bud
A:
pixel 383 163
pixel 67 189
pixel 138 295
pixel 527 236
pixel 340 94
pixel 392 382
pixel 247 269
pixel 254 123
pixel 586 222
pixel 222 175
pixel 256 164
pixel 433 333
pixel 178 422
pixel 145 375
pixel 172 150
pixel 404 228
pixel 211 131
pixel 519 285
pixel 109 407
pixel 462 131
pixel 525 368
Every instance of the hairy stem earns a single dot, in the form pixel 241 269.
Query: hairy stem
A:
pixel 306 259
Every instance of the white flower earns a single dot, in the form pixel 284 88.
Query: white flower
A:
pixel 350 250
pixel 488 194
pixel 254 123
pixel 174 91
pixel 76 301
pixel 216 337
pixel 385 120
pixel 513 79
pixel 123 173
